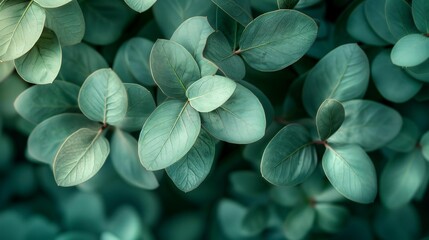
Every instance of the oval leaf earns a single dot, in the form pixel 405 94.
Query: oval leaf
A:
pixel 21 24
pixel 103 97
pixel 239 10
pixel 399 18
pixel 329 118
pixel 42 63
pixel 375 13
pixel 140 5
pixel 168 134
pixel 351 172
pixel 299 222
pixel 290 157
pixel 407 138
pixel 420 72
pixel 126 161
pixel 51 4
pixel 343 74
pixel 80 157
pixel 190 171
pixel 287 4
pixel 239 120
pixel 410 51
pixel 331 218
pixel 173 68
pixel 288 38
pixel 420 8
pixel 137 55
pixel 210 92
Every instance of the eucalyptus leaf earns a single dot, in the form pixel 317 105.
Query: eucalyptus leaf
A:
pixel 210 92
pixel 239 10
pixel 173 68
pixel 288 38
pixel 41 102
pixel 351 172
pixel 299 222
pixel 239 120
pixel 42 63
pixel 103 97
pixel 368 124
pixel 411 50
pixel 407 138
pixel 126 161
pixel 401 178
pixel 419 10
pixel 21 24
pixel 190 171
pixel 375 13
pixel 80 157
pixel 67 22
pixel 420 72
pixel 230 28
pixel 168 134
pixel 343 74
pixel 288 4
pixel 140 5
pixel 137 54
pixel 265 101
pixel 331 218
pixel 329 118
pixel 192 34
pixel 121 66
pixel 399 18
pixel 52 4
pixel 290 157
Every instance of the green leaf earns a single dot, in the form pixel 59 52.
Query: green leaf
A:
pixel 45 140
pixel 401 178
pixel 137 55
pixel 239 120
pixel 424 143
pixel 168 134
pixel 290 157
pixel 399 18
pixel 140 5
pixel 10 221
pixel 299 222
pixel 375 13
pixel 343 74
pixel 351 172
pixel 329 118
pixel 287 4
pixel 126 161
pixel 37 227
pixel 41 102
pixel 230 28
pixel 52 4
pixel 42 63
pixel 21 24
pixel 239 10
pixel 76 235
pixel 255 221
pixel 121 67
pixel 420 72
pixel 331 218
pixel 368 124
pixel 83 211
pixel 230 216
pixel 210 92
pixel 173 68
pixel 6 68
pixel 420 8
pixel 191 170
pixel 288 38
pixel 388 78
pixel 125 223
pixel 192 34
pixel 140 106
pixel 103 97
pixel 247 183
pixel 407 138
pixel 67 22
pixel 411 50
pixel 219 51
pixel 398 224
pixel 79 61
pixel 265 101
pixel 80 157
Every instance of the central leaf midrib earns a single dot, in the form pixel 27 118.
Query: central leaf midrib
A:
pixel 18 24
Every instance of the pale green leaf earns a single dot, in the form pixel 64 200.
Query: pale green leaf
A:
pixel 290 35
pixel 411 50
pixel 407 138
pixel 42 63
pixel 168 134
pixel 140 5
pixel 103 97
pixel 67 22
pixel 80 157
pixel 399 18
pixel 343 74
pixel 41 102
pixel 331 218
pixel 6 68
pixel 351 172
pixel 126 161
pixel 21 24
pixel 190 171
pixel 51 3
pixel 210 92
pixel 299 222
pixel 375 13
pixel 290 157
pixel 137 55
pixel 173 68
pixel 239 10
pixel 239 120
pixel 329 118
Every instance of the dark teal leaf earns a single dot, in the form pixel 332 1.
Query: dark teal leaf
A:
pixel 299 222
pixel 420 72
pixel 399 18
pixel 137 55
pixel 191 170
pixel 173 68
pixel 140 5
pixel 401 178
pixel 80 157
pixel 420 8
pixel 287 196
pixel 331 218
pixel 239 10
pixel 329 118
pixel 398 224
pixel 407 138
pixel 256 220
pixel 126 161
pixel 40 228
pixel 230 216
pixel 41 102
pixel 230 28
pixel 288 38
pixel 411 50
pixel 424 143
pixel 343 74
pixel 290 4
pixel 168 134
pixel 351 172
pixel 265 101
pixel 121 66
pixel 290 157
pixel 253 151
pixel 375 13
pixel 247 183
pixel 75 235
pixel 103 97
pixel 368 124
pixel 10 222
pixel 178 227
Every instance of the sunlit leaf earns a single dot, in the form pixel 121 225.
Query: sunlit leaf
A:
pixel 411 50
